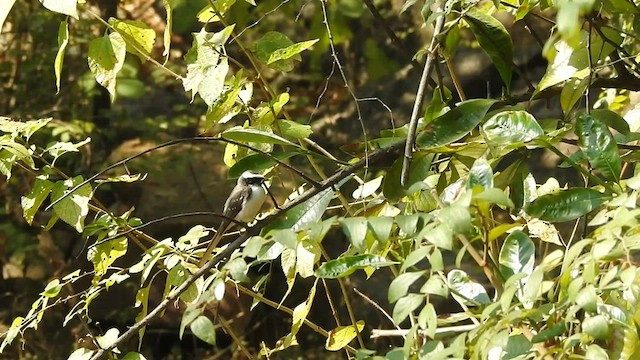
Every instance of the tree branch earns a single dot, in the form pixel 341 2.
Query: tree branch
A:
pixel 417 105
pixel 254 230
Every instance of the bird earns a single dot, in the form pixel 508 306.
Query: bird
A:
pixel 243 204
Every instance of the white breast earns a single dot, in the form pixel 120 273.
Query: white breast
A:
pixel 253 204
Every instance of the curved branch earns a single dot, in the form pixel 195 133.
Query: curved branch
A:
pixel 175 142
pixel 252 231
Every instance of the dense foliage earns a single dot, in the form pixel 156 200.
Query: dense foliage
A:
pixel 449 228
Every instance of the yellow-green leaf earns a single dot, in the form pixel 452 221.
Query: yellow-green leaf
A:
pixel 138 36
pixel 63 40
pixel 73 208
pixel 31 203
pixel 106 58
pixel 290 51
pixel 342 335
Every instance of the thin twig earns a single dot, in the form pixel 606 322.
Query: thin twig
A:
pixel 176 142
pixel 417 105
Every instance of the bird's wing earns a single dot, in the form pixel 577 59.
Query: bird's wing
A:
pixel 231 209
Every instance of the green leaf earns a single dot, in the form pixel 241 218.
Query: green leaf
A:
pixel 465 290
pixel 5 8
pixel 568 18
pixel 104 255
pixel 612 120
pixel 106 58
pixel 74 207
pixel 271 42
pixel 494 40
pixel 566 205
pixel 207 65
pixel 294 130
pixel 596 326
pixel 66 7
pixel 253 135
pixel 418 171
pixel 405 306
pixel 572 91
pixel 428 320
pixel 258 162
pixel 204 329
pixel 380 227
pixel 454 124
pixel 290 51
pixel 356 230
pixel 435 285
pixel 480 174
pixel 108 338
pixel 345 266
pixel 208 15
pixel 52 289
pixel 367 189
pixel 25 128
pixel 138 36
pixel 597 142
pixel 510 127
pixel 341 336
pixel 63 40
pixel 400 285
pixel 565 62
pixel 31 203
pixel 549 333
pixel 80 354
pixel 517 255
pixel 306 214
pixel 133 356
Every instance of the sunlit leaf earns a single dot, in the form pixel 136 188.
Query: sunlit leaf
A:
pixel 206 65
pixel 63 40
pixel 208 15
pixel 598 144
pixel 480 174
pixel 494 40
pixel 509 127
pixel 345 266
pixel 566 205
pixel 271 42
pixel 5 8
pixel 138 36
pixel 31 202
pixel 454 124
pixel 294 130
pixel 106 58
pixel 52 289
pixel 66 7
pixel 204 329
pixel 517 255
pixel 258 162
pixel 256 136
pixel 400 285
pixel 405 306
pixel 290 51
pixel 104 255
pixel 73 208
pixel 465 290
pixel 341 336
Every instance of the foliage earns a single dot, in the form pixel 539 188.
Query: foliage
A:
pixel 476 227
